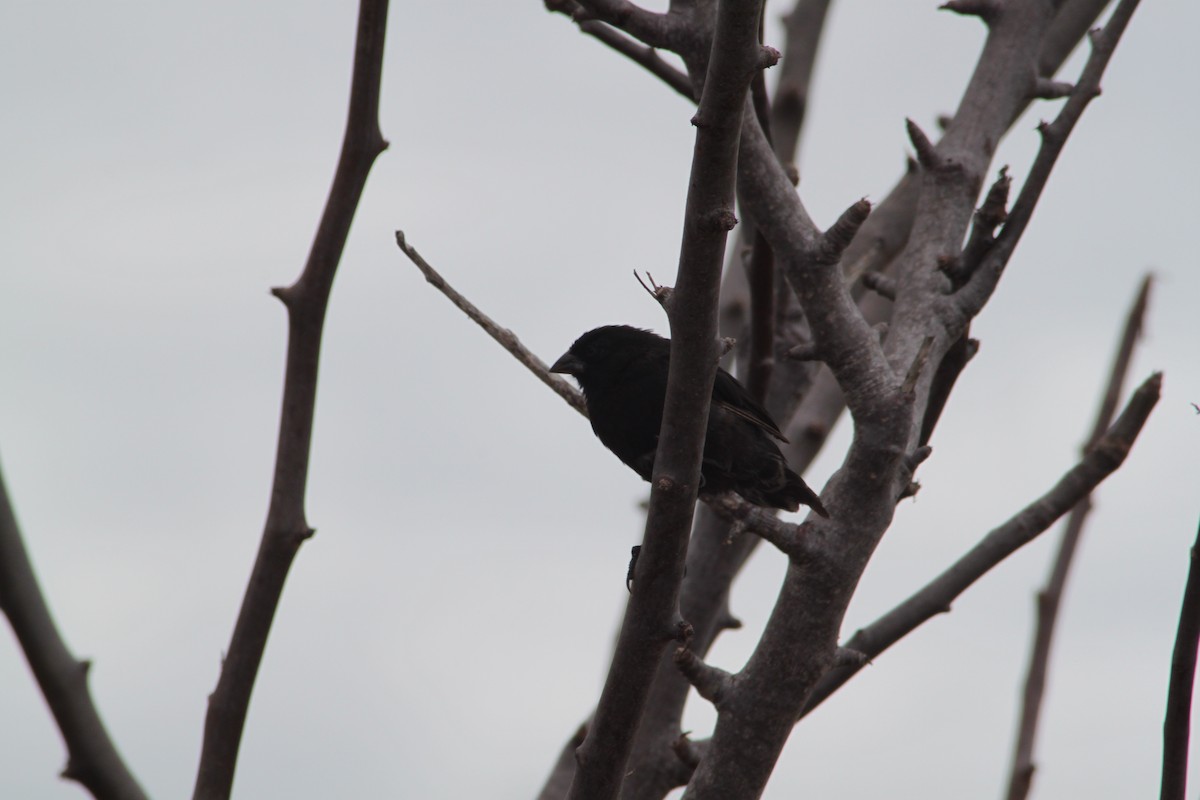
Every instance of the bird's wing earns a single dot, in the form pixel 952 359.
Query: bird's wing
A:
pixel 734 398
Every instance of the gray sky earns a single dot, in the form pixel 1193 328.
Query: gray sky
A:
pixel 165 164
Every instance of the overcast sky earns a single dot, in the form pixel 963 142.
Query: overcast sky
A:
pixel 164 164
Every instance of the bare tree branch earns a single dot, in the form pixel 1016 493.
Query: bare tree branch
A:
pixel 712 561
pixel 644 55
pixel 656 30
pixel 1054 136
pixel 1049 599
pixel 641 54
pixel 652 615
pixel 1176 727
pixel 797 648
pixel 503 336
pixel 936 597
pixel 92 758
pixel 286 526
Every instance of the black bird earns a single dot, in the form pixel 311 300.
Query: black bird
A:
pixel 623 374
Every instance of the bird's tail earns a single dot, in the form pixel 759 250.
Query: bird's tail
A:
pixel 795 492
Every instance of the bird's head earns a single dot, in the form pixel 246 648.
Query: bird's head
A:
pixel 605 351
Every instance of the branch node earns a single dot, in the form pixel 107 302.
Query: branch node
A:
pixel 718 221
pixel 1050 133
pixel 805 351
pixel 917 457
pixel 728 622
pixel 661 294
pixel 710 682
pixel 745 516
pixel 835 240
pixel 986 10
pixel 927 155
pixel 847 657
pixel 880 284
pixel 993 212
pixel 988 217
pixel 634 552
pixel 767 57
pixel 686 751
pixel 1048 89
pixel 284 294
pixel 73 771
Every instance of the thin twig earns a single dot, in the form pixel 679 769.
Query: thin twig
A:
pixel 92 758
pixel 1049 599
pixel 286 526
pixel 503 336
pixel 641 54
pixel 1177 726
pixel 651 28
pixel 936 597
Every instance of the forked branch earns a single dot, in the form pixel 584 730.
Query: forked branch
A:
pixel 936 597
pixel 1054 136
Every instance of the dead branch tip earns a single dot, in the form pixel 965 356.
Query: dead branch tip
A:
pixel 880 284
pixel 927 155
pixel 767 57
pixel 841 233
pixel 710 682
pixel 986 10
pixel 661 294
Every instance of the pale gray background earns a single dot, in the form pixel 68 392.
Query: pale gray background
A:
pixel 164 164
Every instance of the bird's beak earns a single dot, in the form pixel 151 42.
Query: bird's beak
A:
pixel 568 365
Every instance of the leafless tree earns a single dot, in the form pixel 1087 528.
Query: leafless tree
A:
pixel 871 316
